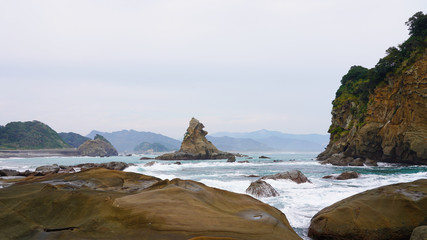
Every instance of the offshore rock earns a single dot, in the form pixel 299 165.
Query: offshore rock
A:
pixel 261 188
pixel 294 175
pixel 108 204
pixel 347 175
pixel 389 212
pixel 195 146
pixel 99 147
pixel 394 128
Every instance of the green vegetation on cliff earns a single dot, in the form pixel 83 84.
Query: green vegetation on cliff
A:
pixel 29 135
pixel 359 83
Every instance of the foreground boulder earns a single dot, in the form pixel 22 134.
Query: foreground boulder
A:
pixel 99 147
pixel 261 188
pixel 294 175
pixel 108 204
pixel 419 233
pixel 196 146
pixel 385 213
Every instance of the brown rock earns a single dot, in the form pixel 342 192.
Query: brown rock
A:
pixel 294 175
pixel 419 233
pixel 348 175
pixel 9 172
pixel 99 147
pixel 107 204
pixel 389 212
pixel 261 188
pixel 231 159
pixel 195 146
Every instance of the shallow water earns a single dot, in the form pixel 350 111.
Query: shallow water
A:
pixel 298 201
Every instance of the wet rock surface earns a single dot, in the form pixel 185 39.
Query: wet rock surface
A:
pixel 261 188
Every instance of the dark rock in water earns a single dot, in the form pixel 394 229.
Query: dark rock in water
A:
pixel 245 161
pixel 252 175
pixel 263 157
pixel 99 147
pixel 48 169
pixel 384 213
pixel 348 175
pixel 149 164
pixel 145 158
pixel 231 159
pixel 261 188
pixel 327 177
pixel 419 233
pixel 107 204
pixel 196 146
pixel 8 172
pixel 370 162
pixel 177 163
pixel 280 160
pixel 295 175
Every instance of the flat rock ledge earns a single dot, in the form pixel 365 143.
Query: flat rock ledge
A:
pixel 109 204
pixel 385 213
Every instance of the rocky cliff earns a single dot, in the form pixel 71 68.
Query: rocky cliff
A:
pixel 98 147
pixel 196 146
pixel 381 113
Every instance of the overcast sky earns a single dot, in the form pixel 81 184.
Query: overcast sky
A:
pixel 151 65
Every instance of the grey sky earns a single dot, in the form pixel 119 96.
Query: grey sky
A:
pixel 236 65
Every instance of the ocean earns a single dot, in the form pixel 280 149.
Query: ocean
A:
pixel 299 202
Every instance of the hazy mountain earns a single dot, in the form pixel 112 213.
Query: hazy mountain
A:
pixel 73 139
pixel 238 144
pixel 274 140
pixel 127 140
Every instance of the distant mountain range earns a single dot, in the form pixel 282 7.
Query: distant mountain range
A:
pixel 265 140
pixel 127 140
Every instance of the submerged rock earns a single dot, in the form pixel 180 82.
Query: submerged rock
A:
pixel 196 146
pixel 295 175
pixel 261 188
pixel 107 204
pixel 389 212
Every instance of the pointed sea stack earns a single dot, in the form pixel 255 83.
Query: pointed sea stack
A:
pixel 195 146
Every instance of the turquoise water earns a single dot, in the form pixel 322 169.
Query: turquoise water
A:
pixel 299 202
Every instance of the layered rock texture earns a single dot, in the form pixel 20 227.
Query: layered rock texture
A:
pixel 109 204
pixel 98 147
pixel 380 114
pixel 196 146
pixel 389 212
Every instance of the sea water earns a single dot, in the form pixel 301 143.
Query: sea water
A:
pixel 299 202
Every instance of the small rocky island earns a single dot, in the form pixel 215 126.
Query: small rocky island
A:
pixel 196 146
pixel 99 146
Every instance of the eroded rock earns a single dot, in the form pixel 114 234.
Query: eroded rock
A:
pixel 389 212
pixel 294 175
pixel 108 204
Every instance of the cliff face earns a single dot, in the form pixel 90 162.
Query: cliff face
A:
pixel 196 146
pixel 393 128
